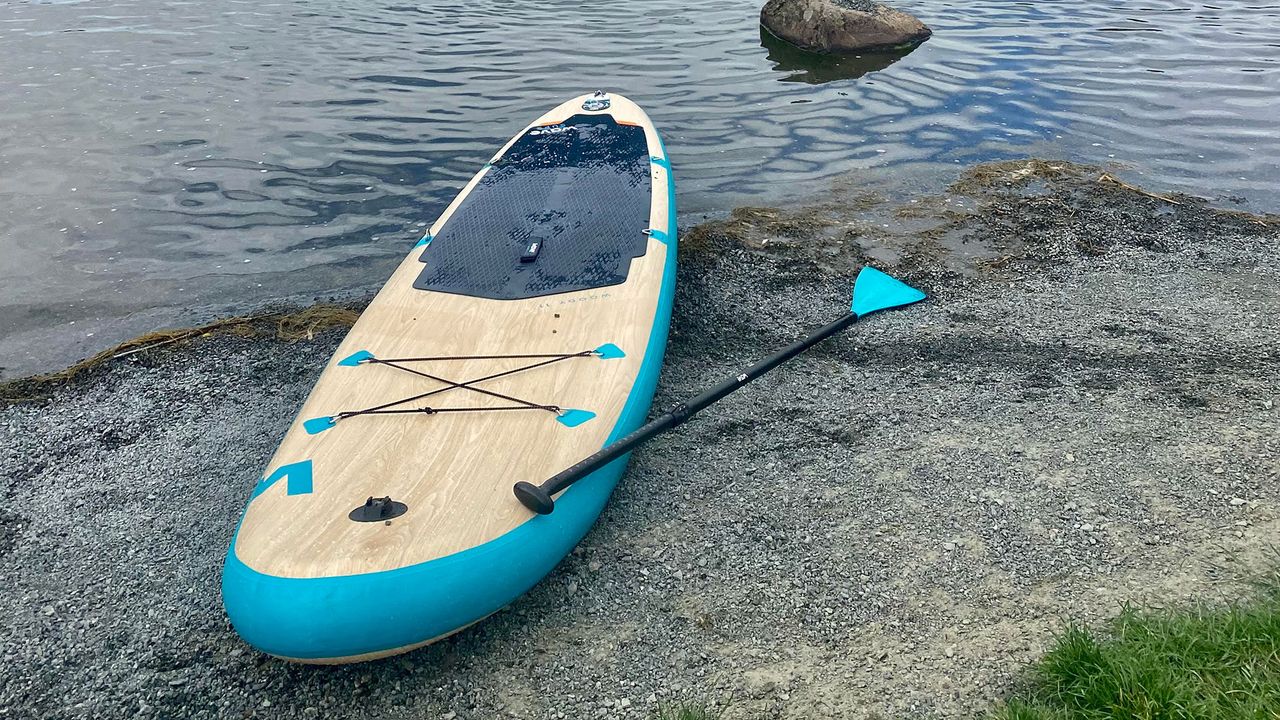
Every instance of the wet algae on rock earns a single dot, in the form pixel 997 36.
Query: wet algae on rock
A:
pixel 1083 415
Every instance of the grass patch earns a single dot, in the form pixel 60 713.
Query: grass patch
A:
pixel 1203 663
pixel 687 711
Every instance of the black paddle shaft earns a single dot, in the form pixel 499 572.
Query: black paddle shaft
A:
pixel 538 497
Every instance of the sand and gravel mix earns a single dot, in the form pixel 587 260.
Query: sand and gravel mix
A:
pixel 1085 414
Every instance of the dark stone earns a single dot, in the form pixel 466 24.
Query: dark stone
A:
pixel 842 26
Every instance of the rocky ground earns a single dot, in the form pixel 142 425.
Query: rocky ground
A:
pixel 893 525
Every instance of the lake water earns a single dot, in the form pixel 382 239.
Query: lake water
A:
pixel 165 162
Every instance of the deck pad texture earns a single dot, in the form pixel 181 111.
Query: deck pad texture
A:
pixel 579 189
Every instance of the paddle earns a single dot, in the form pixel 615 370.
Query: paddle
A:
pixel 872 291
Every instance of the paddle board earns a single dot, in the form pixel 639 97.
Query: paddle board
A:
pixel 522 333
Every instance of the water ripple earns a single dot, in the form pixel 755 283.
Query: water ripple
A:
pixel 164 154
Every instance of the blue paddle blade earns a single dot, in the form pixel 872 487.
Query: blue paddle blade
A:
pixel 874 290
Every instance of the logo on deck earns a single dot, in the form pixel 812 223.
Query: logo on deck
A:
pixel 551 130
pixel 599 101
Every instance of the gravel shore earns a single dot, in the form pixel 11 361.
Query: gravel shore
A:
pixel 1083 415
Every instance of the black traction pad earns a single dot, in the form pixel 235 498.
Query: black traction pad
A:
pixel 580 189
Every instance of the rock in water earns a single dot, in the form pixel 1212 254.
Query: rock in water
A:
pixel 842 26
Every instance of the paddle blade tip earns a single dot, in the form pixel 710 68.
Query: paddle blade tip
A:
pixel 875 290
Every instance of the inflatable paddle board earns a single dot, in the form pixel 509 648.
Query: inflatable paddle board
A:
pixel 522 333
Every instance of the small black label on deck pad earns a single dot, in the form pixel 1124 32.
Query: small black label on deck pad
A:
pixel 564 209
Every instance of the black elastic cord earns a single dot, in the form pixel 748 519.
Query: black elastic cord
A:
pixel 469 384
pixel 479 357
pixel 435 411
pixel 456 385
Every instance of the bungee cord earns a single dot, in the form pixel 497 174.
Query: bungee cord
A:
pixel 393 407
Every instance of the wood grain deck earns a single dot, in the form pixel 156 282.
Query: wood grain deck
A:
pixel 454 470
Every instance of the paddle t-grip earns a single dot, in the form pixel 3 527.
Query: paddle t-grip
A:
pixel 534 497
pixel 538 497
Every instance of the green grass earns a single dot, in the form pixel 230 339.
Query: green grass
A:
pixel 1205 663
pixel 687 711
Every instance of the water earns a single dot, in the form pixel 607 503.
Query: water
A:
pixel 162 162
